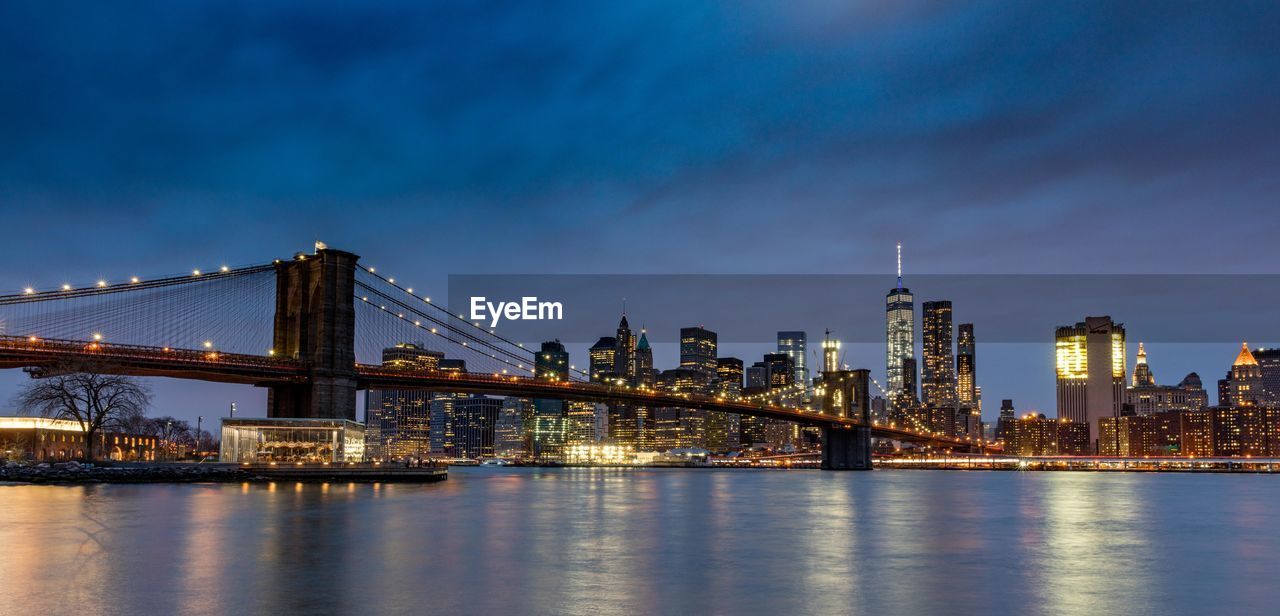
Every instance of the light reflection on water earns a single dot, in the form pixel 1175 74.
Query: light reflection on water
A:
pixel 614 541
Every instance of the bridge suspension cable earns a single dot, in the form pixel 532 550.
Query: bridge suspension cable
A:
pixel 227 309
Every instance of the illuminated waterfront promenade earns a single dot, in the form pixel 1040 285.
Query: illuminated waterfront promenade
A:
pixel 1084 463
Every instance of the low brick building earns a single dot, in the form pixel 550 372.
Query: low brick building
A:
pixel 43 439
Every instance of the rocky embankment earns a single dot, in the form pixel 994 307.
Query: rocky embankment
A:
pixel 75 472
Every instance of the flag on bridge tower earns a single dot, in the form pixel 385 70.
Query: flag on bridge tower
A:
pixel 321 246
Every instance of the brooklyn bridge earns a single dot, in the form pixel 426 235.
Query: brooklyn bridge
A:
pixel 310 329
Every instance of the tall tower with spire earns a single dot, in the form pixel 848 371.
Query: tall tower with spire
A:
pixel 625 357
pixel 1246 379
pixel 1142 376
pixel 900 336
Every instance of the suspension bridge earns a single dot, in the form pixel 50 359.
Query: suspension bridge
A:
pixel 311 330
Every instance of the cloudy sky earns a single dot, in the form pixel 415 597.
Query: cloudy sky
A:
pixel 655 137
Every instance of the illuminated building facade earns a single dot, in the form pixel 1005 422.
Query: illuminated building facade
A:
pixel 938 375
pixel 1246 380
pixel 1036 435
pixel 900 337
pixel 475 426
pixel 44 439
pixel 1196 429
pixel 794 344
pixel 291 440
pixel 966 368
pixel 550 364
pixel 1090 358
pixel 698 350
pixel 677 428
pixel 603 359
pixel 1142 376
pixel 724 429
pixel 514 427
pixel 398 422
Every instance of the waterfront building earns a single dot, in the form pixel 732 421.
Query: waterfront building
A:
pixel 1090 360
pixel 900 336
pixel 1035 435
pixel 291 440
pixel 1140 435
pixel 444 411
pixel 1196 434
pixel 937 376
pixel 398 422
pixel 676 428
pixel 698 350
pixel 513 429
pixel 475 426
pixel 44 439
pixel 794 345
pixel 585 422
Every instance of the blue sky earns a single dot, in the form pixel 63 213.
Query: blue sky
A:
pixel 657 137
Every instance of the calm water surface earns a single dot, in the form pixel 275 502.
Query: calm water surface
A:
pixel 670 541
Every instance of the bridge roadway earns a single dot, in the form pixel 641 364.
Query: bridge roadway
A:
pixel 212 365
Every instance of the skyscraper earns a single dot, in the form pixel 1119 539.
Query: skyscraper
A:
pixel 1246 380
pixel 900 333
pixel 938 376
pixel 1142 376
pixel 795 345
pixel 966 368
pixel 698 350
pixel 603 360
pixel 398 421
pixel 550 364
pixel 1090 361
pixel 644 362
pixel 625 357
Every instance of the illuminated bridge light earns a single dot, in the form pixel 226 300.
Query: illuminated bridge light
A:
pixel 28 290
pixel 226 269
pixel 134 280
pixel 102 283
pixel 66 287
pixel 195 272
pixel 208 344
pixel 97 337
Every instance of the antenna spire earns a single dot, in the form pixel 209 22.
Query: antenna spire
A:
pixel 899 266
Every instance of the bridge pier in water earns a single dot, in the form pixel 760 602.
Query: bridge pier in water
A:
pixel 846 449
pixel 315 323
pixel 847 395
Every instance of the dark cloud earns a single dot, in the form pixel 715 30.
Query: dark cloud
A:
pixel 762 137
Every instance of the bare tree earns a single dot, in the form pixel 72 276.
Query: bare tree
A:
pixel 79 392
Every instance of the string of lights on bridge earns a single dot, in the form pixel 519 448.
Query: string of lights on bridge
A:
pixel 105 285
